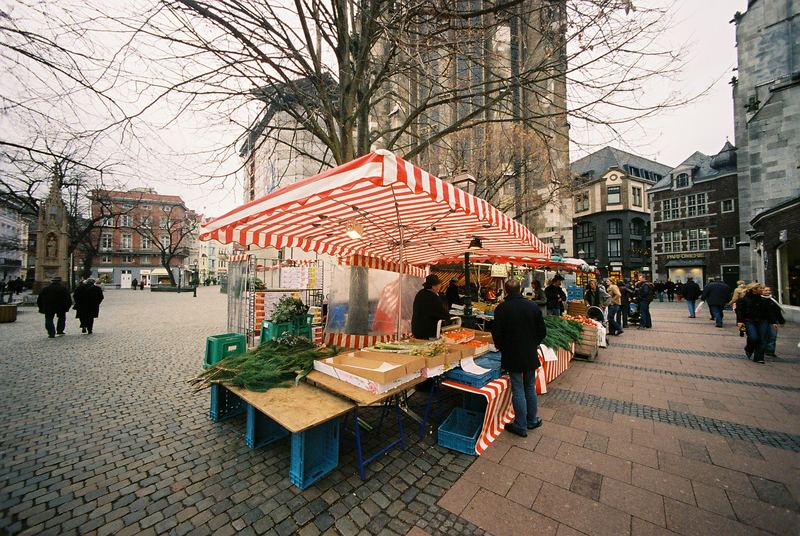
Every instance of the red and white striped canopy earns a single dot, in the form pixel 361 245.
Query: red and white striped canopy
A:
pixel 385 195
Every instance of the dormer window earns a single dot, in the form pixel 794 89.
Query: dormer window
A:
pixel 682 180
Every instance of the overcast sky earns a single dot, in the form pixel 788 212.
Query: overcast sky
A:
pixel 669 138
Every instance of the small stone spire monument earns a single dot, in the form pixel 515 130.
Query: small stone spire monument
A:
pixel 52 238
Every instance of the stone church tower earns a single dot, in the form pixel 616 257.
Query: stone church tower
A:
pixel 52 238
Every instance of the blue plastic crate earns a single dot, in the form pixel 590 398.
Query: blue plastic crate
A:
pixel 315 452
pixel 224 404
pixel 261 430
pixel 460 431
pixel 473 380
pixel 223 345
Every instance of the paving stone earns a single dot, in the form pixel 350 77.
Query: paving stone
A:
pixel 540 467
pixel 635 501
pixel 581 513
pixel 492 476
pixel 587 483
pixel 774 493
pixel 662 483
pixel 596 442
pixel 524 490
pixel 595 461
pixel 713 499
pixel 686 519
pixel 500 516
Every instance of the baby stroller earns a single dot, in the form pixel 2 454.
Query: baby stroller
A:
pixel 633 313
pixel 595 313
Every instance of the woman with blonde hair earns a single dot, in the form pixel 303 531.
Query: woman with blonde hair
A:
pixel 738 292
pixel 756 316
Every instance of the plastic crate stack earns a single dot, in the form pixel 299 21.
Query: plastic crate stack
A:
pixel 260 311
pixel 315 318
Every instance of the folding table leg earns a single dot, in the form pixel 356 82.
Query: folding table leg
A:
pixel 424 423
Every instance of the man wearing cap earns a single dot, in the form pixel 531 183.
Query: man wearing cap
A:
pixel 428 309
pixel 517 331
pixel 54 300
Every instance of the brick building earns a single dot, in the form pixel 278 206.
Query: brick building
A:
pixel 612 212
pixel 696 219
pixel 140 229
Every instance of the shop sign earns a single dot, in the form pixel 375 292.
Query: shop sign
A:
pixel 499 270
pixel 686 256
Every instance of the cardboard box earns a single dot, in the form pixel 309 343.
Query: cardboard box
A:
pixel 337 371
pixel 378 371
pixel 411 363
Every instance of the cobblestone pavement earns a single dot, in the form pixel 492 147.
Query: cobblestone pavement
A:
pixel 671 431
pixel 99 434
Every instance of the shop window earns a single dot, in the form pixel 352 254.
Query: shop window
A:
pixel 615 227
pixel 728 205
pixel 636 194
pixel 613 195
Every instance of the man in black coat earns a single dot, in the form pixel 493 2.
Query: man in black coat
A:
pixel 555 296
pixel 644 295
pixel 54 301
pixel 716 294
pixel 88 297
pixel 428 309
pixel 691 291
pixel 517 331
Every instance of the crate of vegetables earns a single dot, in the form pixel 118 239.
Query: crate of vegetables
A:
pixel 587 345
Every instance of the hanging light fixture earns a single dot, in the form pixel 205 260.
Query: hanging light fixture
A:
pixel 354 231
pixel 475 244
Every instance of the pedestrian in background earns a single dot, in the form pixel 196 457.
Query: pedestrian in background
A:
pixel 691 291
pixel 679 289
pixel 738 292
pixel 659 288
pixel 141 284
pixel 518 329
pixel 88 297
pixel 644 295
pixel 776 314
pixel 670 285
pixel 716 294
pixel 613 308
pixel 755 314
pixel 626 295
pixel 556 297
pixel 54 301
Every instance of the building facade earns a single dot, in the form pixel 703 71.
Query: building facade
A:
pixel 695 215
pixel 139 229
pixel 766 98
pixel 13 244
pixel 611 224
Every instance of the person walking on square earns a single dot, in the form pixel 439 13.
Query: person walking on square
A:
pixel 134 284
pixel 738 292
pixel 691 291
pixel 88 297
pixel 613 308
pixel 518 329
pixel 679 290
pixel 556 297
pixel 755 314
pixel 141 284
pixel 716 294
pixel 626 293
pixel 645 294
pixel 777 319
pixel 54 301
pixel 670 285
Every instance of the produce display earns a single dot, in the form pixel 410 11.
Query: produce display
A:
pixel 279 363
pixel 580 319
pixel 288 309
pixel 458 336
pixel 427 349
pixel 562 332
pixel 476 343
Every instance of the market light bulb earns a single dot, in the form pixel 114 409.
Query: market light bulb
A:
pixel 355 231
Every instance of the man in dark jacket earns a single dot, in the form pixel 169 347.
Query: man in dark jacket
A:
pixel 691 291
pixel 428 309
pixel 670 286
pixel 555 296
pixel 453 298
pixel 88 297
pixel 644 295
pixel 517 331
pixel 716 294
pixel 54 301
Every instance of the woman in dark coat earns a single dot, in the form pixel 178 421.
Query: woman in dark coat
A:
pixel 87 299
pixel 755 314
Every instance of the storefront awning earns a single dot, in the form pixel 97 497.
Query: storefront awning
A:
pixel 159 271
pixel 676 263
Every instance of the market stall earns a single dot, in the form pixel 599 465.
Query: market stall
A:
pixel 386 220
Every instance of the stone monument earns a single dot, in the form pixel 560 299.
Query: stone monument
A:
pixel 52 239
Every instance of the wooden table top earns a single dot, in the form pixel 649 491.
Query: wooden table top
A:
pixel 362 397
pixel 296 408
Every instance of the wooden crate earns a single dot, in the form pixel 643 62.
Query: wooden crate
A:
pixel 576 308
pixel 587 347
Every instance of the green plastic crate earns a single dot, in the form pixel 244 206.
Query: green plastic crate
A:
pixel 271 330
pixel 223 345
